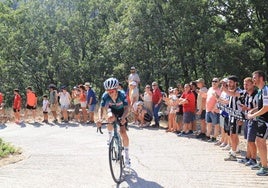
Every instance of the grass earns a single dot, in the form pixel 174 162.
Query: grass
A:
pixel 7 149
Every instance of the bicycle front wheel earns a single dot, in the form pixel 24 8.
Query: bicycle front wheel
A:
pixel 116 160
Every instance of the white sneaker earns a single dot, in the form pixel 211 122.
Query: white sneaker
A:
pixel 223 145
pixel 227 147
pixel 127 163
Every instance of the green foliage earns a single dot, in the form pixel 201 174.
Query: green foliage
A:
pixel 68 42
pixel 6 149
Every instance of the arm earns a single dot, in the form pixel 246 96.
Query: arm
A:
pixel 260 112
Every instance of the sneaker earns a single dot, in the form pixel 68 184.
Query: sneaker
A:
pixel 55 121
pixel 223 145
pixel 263 171
pixel 212 139
pixel 256 166
pixel 218 143
pixel 251 162
pixel 201 135
pixel 190 132
pixel 227 147
pixel 127 163
pixel 206 138
pixel 230 158
pixel 243 161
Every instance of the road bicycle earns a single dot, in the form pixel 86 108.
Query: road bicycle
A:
pixel 116 158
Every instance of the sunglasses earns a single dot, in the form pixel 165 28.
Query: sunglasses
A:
pixel 214 81
pixel 110 91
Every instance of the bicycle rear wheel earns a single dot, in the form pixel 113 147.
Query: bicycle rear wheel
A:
pixel 115 160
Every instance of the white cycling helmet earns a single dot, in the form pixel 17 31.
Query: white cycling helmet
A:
pixel 110 83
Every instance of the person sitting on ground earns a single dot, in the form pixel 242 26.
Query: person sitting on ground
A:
pixel 144 115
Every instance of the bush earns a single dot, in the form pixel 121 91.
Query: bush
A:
pixel 6 149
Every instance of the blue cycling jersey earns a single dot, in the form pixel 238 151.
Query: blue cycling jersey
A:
pixel 119 103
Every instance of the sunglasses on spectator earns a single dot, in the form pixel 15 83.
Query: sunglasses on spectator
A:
pixel 215 81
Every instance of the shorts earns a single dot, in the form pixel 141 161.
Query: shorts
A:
pixel 91 107
pixel 234 127
pixel 54 107
pixel 226 125
pixel 30 107
pixel 16 110
pixel 188 117
pixel 118 113
pixel 64 106
pixel 83 104
pixel 250 130
pixel 203 115
pixel 262 130
pixel 213 118
pixel 179 118
pixel 45 112
pixel 76 109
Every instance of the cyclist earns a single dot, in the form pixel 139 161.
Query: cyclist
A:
pixel 116 101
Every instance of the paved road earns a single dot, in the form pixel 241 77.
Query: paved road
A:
pixel 76 157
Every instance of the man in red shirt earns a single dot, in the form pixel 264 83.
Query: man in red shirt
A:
pixel 17 105
pixel 156 98
pixel 187 100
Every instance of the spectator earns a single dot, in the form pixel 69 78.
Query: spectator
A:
pixel 133 93
pixel 201 106
pixel 76 102
pixel 212 112
pixel 53 101
pixel 187 100
pixel 17 106
pixel 133 76
pixel 65 101
pixel 262 118
pixel 91 102
pixel 157 99
pixel 31 102
pixel 83 102
pixel 147 98
pixel 144 115
pixel 45 108
pixel 234 123
pixel 250 126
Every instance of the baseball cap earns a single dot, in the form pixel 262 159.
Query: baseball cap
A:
pixel 133 83
pixel 200 80
pixel 233 78
pixel 132 68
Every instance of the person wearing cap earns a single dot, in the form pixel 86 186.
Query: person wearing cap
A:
pixel 133 76
pixel 31 102
pixel 235 125
pixel 91 102
pixel 133 93
pixel 212 112
pixel 261 115
pixel 201 106
pixel 53 101
pixel 17 105
pixel 157 99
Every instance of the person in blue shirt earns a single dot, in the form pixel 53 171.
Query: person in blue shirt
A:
pixel 115 101
pixel 91 102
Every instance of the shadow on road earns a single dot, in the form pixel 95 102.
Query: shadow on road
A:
pixel 132 180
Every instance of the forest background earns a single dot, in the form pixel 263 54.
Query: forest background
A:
pixel 68 42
